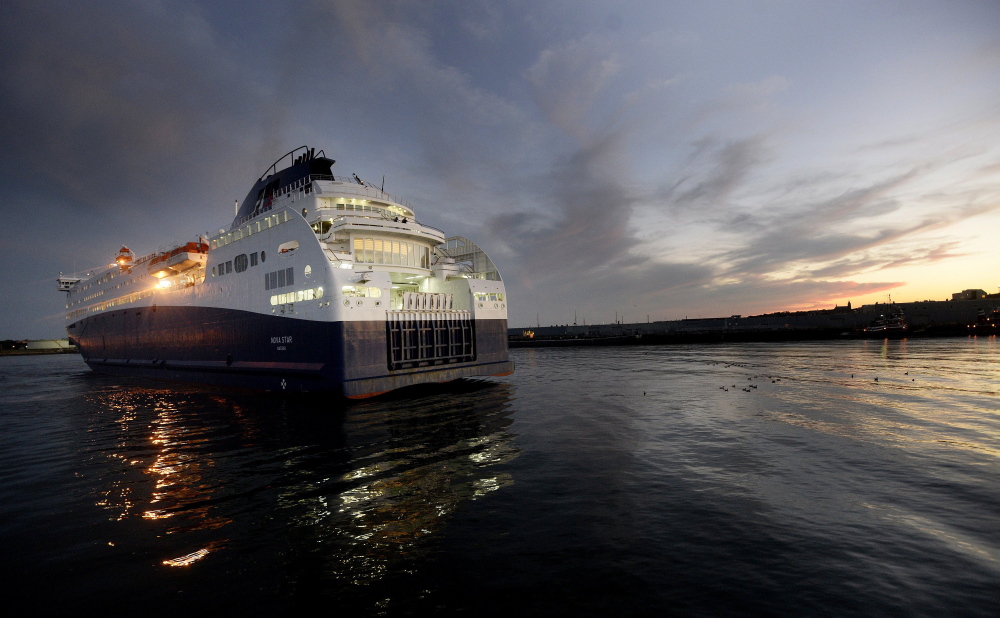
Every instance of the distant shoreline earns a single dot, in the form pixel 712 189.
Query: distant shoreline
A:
pixel 638 337
pixel 36 352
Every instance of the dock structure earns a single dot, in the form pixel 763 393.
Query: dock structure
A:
pixel 37 346
pixel 925 319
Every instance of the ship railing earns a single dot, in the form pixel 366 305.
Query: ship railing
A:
pixel 347 219
pixel 351 185
pixel 367 189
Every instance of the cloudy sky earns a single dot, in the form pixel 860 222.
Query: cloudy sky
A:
pixel 653 158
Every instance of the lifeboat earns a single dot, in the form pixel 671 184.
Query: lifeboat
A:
pixel 179 259
pixel 124 259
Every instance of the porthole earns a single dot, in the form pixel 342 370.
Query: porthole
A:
pixel 359 302
pixel 347 303
pixel 503 306
pixel 496 305
pixel 305 211
pixel 378 303
pixel 262 256
pixel 308 271
pixel 480 305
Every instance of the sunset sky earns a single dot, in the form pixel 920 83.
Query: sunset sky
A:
pixel 656 158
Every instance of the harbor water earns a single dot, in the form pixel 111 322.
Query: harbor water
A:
pixel 807 478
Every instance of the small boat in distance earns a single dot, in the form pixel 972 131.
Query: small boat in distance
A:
pixel 890 324
pixel 320 283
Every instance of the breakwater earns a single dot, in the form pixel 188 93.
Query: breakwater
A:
pixel 925 319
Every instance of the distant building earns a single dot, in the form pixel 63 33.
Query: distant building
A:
pixel 969 295
pixel 48 344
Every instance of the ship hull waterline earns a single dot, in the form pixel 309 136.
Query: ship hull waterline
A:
pixel 242 349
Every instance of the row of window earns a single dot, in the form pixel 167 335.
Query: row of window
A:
pixel 378 251
pixel 239 263
pixel 376 208
pixel 361 291
pixel 106 278
pixel 250 229
pixel 297 296
pixel 122 300
pixel 279 278
pixel 491 296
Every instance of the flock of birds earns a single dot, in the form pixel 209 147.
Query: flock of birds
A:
pixel 749 388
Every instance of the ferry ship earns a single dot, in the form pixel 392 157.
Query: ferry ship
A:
pixel 321 283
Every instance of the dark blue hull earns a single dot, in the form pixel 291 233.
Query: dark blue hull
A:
pixel 273 353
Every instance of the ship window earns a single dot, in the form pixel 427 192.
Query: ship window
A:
pixel 358 291
pixel 289 276
pixel 273 279
pixel 253 259
pixel 267 281
pixel 262 256
pixel 229 267
pixel 240 262
pixel 281 278
pixel 213 271
pixel 297 296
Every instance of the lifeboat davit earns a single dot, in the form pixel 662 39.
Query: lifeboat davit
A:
pixel 124 259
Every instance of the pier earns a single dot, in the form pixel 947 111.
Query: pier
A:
pixel 925 319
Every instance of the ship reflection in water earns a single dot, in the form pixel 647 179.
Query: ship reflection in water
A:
pixel 332 498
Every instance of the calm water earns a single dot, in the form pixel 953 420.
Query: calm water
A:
pixel 694 480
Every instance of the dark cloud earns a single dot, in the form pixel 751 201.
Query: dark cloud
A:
pixel 142 122
pixel 566 79
pixel 714 172
pixel 872 261
pixel 583 216
pixel 807 233
pixel 108 106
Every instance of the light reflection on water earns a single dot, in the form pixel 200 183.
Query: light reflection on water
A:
pixel 734 478
pixel 357 490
